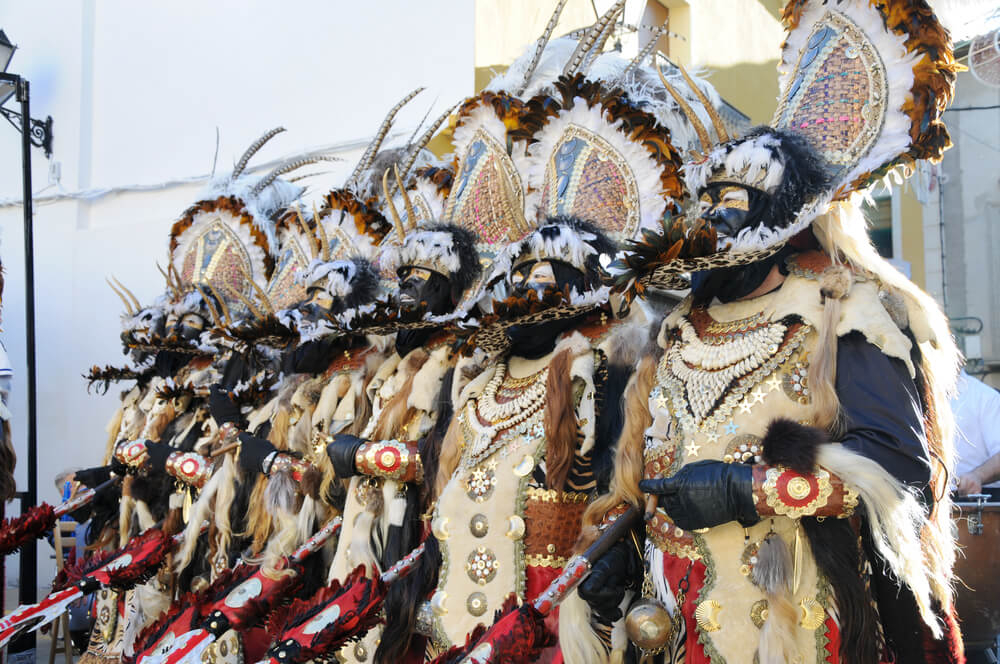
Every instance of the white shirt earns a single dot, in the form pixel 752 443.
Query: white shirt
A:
pixel 977 424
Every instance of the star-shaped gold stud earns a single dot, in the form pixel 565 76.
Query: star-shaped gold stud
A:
pixel 691 449
pixel 774 382
pixel 661 402
pixel 745 405
pixel 712 436
pixel 757 395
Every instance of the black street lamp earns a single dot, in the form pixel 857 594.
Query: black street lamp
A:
pixel 38 133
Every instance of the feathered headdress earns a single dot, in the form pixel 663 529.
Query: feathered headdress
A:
pixel 863 85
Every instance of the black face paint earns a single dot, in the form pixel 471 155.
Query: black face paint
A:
pixel 435 291
pixel 190 327
pixel 730 208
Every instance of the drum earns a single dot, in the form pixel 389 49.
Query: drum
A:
pixel 977 569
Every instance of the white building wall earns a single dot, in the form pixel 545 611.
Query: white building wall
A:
pixel 969 198
pixel 137 91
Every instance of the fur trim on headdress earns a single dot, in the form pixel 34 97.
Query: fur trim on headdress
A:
pixel 784 166
pixel 446 249
pixel 565 239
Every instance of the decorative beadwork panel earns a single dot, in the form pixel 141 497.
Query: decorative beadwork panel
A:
pixel 478 201
pixel 838 96
pixel 588 178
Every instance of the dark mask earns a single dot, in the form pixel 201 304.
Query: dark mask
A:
pixel 312 357
pixel 730 208
pixel 729 284
pixel 189 326
pixel 168 363
pixel 535 340
pixel 434 290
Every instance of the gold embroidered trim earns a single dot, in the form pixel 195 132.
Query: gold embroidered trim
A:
pixel 797 488
pixel 552 496
pixel 542 560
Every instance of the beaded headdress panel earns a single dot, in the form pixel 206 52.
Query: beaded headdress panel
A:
pixel 864 83
pixel 296 249
pixel 223 244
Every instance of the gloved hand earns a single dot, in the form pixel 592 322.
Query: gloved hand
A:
pixel 253 452
pixel 221 406
pixel 341 452
pixel 618 570
pixel 91 477
pixel 157 454
pixel 705 494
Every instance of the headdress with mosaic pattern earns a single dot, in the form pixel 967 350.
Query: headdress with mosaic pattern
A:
pixel 593 145
pixel 224 244
pixel 865 82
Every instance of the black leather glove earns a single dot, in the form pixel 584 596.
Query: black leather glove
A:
pixel 705 494
pixel 618 570
pixel 221 406
pixel 253 452
pixel 158 453
pixel 341 452
pixel 91 477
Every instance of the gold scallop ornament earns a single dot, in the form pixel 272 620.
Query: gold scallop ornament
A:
pixel 515 527
pixel 525 466
pixel 440 528
pixel 707 615
pixel 813 614
pixel 438 602
pixel 758 613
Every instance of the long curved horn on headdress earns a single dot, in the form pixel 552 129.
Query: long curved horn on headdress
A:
pixel 216 318
pixel 135 300
pixel 314 245
pixel 720 129
pixel 252 150
pixel 369 155
pixel 425 138
pixel 166 277
pixel 128 307
pixel 324 240
pixel 602 39
pixel 288 167
pixel 396 221
pixel 411 215
pixel 647 49
pixel 265 301
pixel 178 285
pixel 539 48
pixel 703 138
pixel 587 40
pixel 222 305
pixel 519 225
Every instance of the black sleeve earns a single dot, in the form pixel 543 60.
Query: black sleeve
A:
pixel 881 405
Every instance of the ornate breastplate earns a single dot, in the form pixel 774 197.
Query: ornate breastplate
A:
pixel 711 368
pixel 479 518
pixel 719 385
